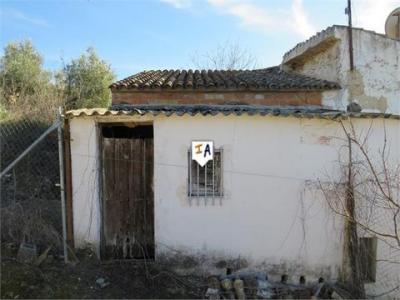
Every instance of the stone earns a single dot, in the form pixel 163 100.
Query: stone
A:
pixel 264 289
pixel 354 107
pixel 102 283
pixel 238 285
pixel 213 293
pixel 226 284
pixel 227 288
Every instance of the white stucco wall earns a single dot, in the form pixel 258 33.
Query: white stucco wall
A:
pixel 272 211
pixel 267 213
pixel 84 168
pixel 375 81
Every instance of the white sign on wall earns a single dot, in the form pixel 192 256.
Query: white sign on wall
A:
pixel 202 152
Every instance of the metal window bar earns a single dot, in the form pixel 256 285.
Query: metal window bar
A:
pixel 221 184
pixel 205 184
pixel 213 182
pixel 190 178
pixel 199 185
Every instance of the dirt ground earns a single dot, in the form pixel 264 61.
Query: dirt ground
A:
pixel 91 278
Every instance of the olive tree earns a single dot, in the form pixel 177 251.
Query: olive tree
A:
pixel 25 86
pixel 21 73
pixel 86 81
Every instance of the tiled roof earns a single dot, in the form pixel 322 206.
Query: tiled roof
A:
pixel 213 110
pixel 269 79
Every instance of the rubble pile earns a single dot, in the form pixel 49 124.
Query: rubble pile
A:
pixel 256 285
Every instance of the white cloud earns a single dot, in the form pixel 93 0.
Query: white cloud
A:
pixel 301 23
pixel 178 3
pixel 250 14
pixel 18 15
pixel 372 14
pixel 368 14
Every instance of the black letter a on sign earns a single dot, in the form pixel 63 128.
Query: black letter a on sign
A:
pixel 207 150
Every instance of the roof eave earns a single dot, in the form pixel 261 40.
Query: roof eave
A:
pixel 223 110
pixel 311 47
pixel 319 42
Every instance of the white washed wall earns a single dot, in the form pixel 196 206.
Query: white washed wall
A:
pixel 267 213
pixel 271 212
pixel 84 168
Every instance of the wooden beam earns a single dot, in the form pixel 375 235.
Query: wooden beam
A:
pixel 68 185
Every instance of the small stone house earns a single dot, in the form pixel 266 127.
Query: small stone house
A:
pixel 133 190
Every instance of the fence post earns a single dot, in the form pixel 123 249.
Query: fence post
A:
pixel 62 180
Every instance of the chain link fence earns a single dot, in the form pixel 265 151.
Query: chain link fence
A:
pixel 30 192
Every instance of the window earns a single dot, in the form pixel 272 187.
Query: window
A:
pixel 368 258
pixel 205 181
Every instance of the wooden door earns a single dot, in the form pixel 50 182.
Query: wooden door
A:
pixel 128 199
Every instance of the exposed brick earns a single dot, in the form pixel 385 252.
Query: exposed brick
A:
pixel 264 98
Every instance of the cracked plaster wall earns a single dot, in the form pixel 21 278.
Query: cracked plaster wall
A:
pixel 375 82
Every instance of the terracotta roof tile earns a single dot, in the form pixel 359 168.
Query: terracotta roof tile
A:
pixel 213 110
pixel 262 79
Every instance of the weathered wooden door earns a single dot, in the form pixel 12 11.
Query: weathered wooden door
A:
pixel 128 199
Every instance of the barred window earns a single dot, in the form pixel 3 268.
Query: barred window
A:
pixel 205 181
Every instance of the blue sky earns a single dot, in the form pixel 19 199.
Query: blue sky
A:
pixel 139 35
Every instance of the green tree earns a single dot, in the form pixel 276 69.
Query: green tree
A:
pixel 86 80
pixel 21 73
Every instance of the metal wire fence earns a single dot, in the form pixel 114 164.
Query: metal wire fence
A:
pixel 30 192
